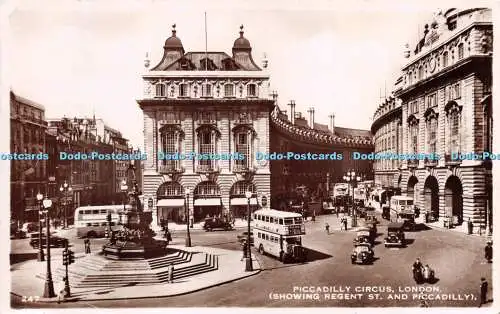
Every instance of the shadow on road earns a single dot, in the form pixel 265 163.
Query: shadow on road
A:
pixel 313 255
pixel 22 257
pixel 421 227
pixel 409 241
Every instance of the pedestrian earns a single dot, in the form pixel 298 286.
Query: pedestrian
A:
pixel 245 249
pixel 171 273
pixel 345 224
pixel 327 228
pixel 168 235
pixel 60 296
pixel 484 291
pixel 87 245
pixel 488 251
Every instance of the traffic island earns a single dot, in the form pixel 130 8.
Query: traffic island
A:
pixel 94 277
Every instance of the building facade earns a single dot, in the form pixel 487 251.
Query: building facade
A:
pixel 300 134
pixel 215 108
pixel 445 95
pixel 28 177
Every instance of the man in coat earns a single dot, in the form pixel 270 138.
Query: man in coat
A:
pixel 488 251
pixel 484 291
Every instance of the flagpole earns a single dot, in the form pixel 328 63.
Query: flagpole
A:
pixel 206 44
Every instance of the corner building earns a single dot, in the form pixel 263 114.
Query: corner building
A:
pixel 205 103
pixel 445 95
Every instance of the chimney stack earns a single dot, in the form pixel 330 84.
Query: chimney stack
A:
pixel 311 117
pixel 332 123
pixel 292 111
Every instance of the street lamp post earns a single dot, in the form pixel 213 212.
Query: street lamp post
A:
pixel 351 177
pixel 41 256
pixel 188 235
pixel 248 260
pixel 124 189
pixel 48 291
pixel 65 189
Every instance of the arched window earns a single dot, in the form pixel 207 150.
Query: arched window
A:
pixel 240 187
pixel 229 90
pixel 207 188
pixel 206 90
pixel 445 59
pixel 170 190
pixel 432 128
pixel 413 134
pixel 160 90
pixel 252 90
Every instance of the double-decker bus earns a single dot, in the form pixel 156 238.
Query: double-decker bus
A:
pixel 403 210
pixel 279 233
pixel 91 221
pixel 360 196
pixel 341 193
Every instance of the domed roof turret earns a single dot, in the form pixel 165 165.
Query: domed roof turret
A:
pixel 173 41
pixel 241 42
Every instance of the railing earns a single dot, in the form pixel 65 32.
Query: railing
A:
pixel 428 162
pixel 210 167
pixel 412 163
pixel 451 162
pixel 171 167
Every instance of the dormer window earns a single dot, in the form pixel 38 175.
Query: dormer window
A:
pixel 184 90
pixel 252 90
pixel 206 90
pixel 160 90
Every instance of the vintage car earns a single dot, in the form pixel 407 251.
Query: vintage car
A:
pixel 363 236
pixel 362 253
pixel 371 219
pixel 395 234
pixel 217 223
pixel 55 241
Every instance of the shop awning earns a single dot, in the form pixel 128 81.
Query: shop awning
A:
pixel 208 202
pixel 243 201
pixel 172 202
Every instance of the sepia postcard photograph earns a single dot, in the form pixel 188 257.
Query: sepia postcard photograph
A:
pixel 235 154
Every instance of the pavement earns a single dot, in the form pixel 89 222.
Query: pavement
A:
pixel 25 284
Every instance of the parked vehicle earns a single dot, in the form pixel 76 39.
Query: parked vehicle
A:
pixel 362 254
pixel 29 227
pixel 370 218
pixel 242 237
pixel 395 235
pixel 16 233
pixel 55 241
pixel 217 223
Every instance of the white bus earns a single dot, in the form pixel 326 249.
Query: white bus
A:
pixel 91 221
pixel 279 233
pixel 341 193
pixel 403 210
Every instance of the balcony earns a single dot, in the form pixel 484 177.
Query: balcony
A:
pixel 451 162
pixel 242 168
pixel 207 168
pixel 428 162
pixel 172 168
pixel 412 163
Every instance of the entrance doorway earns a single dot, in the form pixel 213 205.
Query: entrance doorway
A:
pixel 454 198
pixel 412 183
pixel 431 197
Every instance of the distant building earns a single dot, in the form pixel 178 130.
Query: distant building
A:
pixel 28 177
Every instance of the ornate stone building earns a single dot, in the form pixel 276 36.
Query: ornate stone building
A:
pixel 445 96
pixel 295 133
pixel 205 103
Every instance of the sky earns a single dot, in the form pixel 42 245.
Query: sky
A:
pixel 87 56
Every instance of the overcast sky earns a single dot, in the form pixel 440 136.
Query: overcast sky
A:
pixel 74 60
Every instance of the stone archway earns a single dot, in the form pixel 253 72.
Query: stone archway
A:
pixel 453 198
pixel 431 196
pixel 412 184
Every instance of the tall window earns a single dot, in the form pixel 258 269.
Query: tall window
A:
pixel 432 124
pixel 420 72
pixel 445 59
pixel 183 90
pixel 240 187
pixel 454 122
pixel 431 100
pixel 410 78
pixel 207 188
pixel 229 90
pixel 160 90
pixel 455 91
pixel 414 138
pixel 460 51
pixel 206 90
pixel 206 145
pixel 252 90
pixel 243 139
